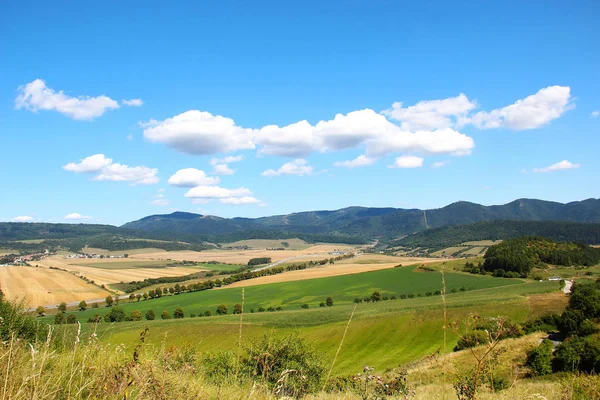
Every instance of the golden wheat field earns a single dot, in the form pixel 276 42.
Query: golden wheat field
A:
pixel 42 286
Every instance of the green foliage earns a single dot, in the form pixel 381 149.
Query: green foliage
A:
pixel 165 315
pixel 136 315
pixel 59 318
pixel 578 354
pixel 179 313
pixel 448 236
pixel 40 310
pixel 222 309
pixel 539 359
pixel 82 305
pixel 116 314
pixel 286 364
pixel 259 261
pixel 150 316
pixel 109 301
pixel 329 301
pixel 237 308
pixel 472 339
pixel 62 307
pixel 545 323
pixel 15 321
pixel 522 254
pixel 71 319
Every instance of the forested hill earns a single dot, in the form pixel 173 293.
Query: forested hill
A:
pixel 439 238
pixel 366 222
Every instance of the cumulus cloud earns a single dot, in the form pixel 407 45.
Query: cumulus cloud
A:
pixel 407 162
pixel 564 164
pixel 297 167
pixel 76 216
pixel 36 96
pixel 595 114
pixel 240 200
pixel 440 164
pixel 197 132
pixel 133 102
pixel 532 112
pixel 360 161
pixel 89 164
pixel 223 169
pixel 431 114
pixel 427 127
pixel 190 177
pixel 23 218
pixel 216 192
pixel 226 160
pixel 106 170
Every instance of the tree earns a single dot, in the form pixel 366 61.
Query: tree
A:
pixel 59 318
pixel 178 313
pixel 40 311
pixel 136 315
pixel 321 304
pixel 222 309
pixel 376 296
pixel 145 296
pixel 71 319
pixel 329 301
pixel 150 315
pixel 539 359
pixel 126 255
pixel 305 306
pixel 95 305
pixel 132 297
pixel 116 314
pixel 138 297
pixel 207 313
pixel 82 305
pixel 62 307
pixel 237 309
pixel 109 301
pixel 165 315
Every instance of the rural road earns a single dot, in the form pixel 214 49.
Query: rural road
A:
pixel 568 285
pixel 76 303
pixel 286 260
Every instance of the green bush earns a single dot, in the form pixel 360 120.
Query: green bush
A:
pixel 472 339
pixel 539 359
pixel 179 313
pixel 15 320
pixel 150 316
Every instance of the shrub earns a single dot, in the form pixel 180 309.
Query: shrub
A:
pixel 289 357
pixel 207 313
pixel 376 296
pixel 82 305
pixel 259 261
pixel 578 354
pixel 305 306
pixel 539 359
pixel 71 319
pixel 97 318
pixel 40 310
pixel 136 315
pixel 472 339
pixel 116 314
pixel 237 309
pixel 329 302
pixel 321 304
pixel 150 315
pixel 261 309
pixel 59 318
pixel 165 315
pixel 178 313
pixel 222 309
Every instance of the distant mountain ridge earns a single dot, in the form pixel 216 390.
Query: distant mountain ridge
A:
pixel 373 222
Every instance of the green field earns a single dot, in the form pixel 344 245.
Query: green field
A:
pixel 219 267
pixel 343 289
pixel 473 251
pixel 448 251
pixel 383 334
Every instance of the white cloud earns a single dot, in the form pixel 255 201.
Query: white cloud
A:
pixel 557 167
pixel 76 216
pixel 23 218
pixel 197 132
pixel 532 112
pixel 36 96
pixel 133 102
pixel 89 164
pixel 240 200
pixel 440 164
pixel 407 162
pixel 190 177
pixel 360 161
pixel 595 114
pixel 297 167
pixel 216 192
pixel 223 169
pixel 226 160
pixel 441 141
pixel 159 202
pixel 431 114
pixel 106 170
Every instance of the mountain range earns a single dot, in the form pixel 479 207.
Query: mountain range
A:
pixel 387 223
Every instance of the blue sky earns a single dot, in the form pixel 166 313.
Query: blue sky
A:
pixel 498 102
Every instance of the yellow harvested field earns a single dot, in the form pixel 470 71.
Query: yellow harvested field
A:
pixel 8 251
pixel 102 276
pixel 294 244
pixel 448 251
pixel 42 286
pixel 346 267
pixel 315 252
